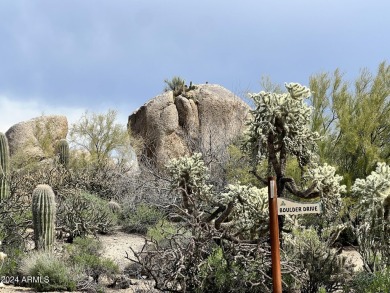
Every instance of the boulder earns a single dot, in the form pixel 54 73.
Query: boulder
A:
pixel 32 136
pixel 206 118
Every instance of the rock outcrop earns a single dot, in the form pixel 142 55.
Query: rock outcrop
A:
pixel 206 118
pixel 33 136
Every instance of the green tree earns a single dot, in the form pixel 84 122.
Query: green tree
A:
pixel 354 120
pixel 101 137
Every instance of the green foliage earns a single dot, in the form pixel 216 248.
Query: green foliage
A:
pixel 162 231
pixel 176 84
pixel 238 167
pixel 221 273
pixel 354 120
pixel 101 137
pixel 11 263
pixel 140 219
pixel 54 274
pixel 4 167
pixel 86 254
pixel 82 214
pixel 44 133
pixel 217 273
pixel 63 152
pixel 364 282
pixel 44 214
pixel 320 266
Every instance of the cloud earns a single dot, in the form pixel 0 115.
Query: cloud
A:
pixel 13 111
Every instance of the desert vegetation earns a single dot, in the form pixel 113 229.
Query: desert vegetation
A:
pixel 205 215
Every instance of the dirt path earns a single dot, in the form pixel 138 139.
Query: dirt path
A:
pixel 116 245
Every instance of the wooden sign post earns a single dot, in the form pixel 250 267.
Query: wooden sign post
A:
pixel 274 232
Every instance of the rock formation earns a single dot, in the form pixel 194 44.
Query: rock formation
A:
pixel 206 118
pixel 34 137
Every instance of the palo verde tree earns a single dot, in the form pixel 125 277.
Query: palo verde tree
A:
pixel 353 119
pixel 100 136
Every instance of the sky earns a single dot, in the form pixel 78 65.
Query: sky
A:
pixel 69 56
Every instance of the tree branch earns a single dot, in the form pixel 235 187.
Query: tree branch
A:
pixel 309 193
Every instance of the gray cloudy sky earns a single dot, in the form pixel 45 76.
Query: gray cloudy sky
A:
pixel 67 56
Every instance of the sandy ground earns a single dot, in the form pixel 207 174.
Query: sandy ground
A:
pixel 115 247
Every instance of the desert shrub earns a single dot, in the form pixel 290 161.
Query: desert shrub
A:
pixel 319 265
pixel 139 219
pixel 9 266
pixel 50 272
pixel 82 214
pixel 15 219
pixel 162 231
pixel 204 221
pixel 222 273
pixel 364 282
pixel 86 254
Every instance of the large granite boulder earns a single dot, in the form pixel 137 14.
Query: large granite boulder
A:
pixel 206 118
pixel 33 136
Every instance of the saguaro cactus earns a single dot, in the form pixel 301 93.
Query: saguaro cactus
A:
pixel 63 151
pixel 44 211
pixel 4 167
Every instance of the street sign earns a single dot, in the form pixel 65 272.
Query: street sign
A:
pixel 291 207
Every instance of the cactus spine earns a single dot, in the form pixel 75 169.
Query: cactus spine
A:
pixel 44 211
pixel 63 152
pixel 4 167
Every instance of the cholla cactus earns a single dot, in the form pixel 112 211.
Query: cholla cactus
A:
pixel 328 183
pixel 189 176
pixel 375 189
pixel 282 120
pixel 251 207
pixel 373 210
pixel 4 167
pixel 188 170
pixel 44 211
pixel 241 210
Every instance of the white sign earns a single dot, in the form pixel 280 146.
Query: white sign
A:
pixel 291 207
